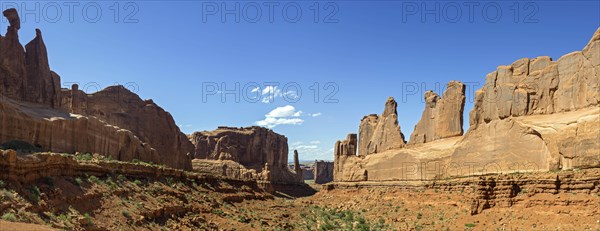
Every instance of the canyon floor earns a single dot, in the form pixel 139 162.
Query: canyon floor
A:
pixel 124 202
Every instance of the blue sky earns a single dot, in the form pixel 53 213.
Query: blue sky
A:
pixel 356 53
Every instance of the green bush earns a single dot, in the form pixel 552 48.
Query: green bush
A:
pixel 9 217
pixel 94 179
pixel 84 157
pixel 2 184
pixel 470 225
pixel 78 181
pixel 34 194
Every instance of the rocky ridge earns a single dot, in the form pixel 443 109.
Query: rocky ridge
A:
pixel 534 115
pixel 113 121
pixel 248 153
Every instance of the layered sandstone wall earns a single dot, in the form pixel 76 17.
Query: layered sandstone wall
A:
pixel 502 190
pixel 59 131
pixel 258 150
pixel 25 76
pixel 534 115
pixel 153 125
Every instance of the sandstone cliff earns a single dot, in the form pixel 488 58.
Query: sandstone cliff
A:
pixel 380 133
pixel 323 172
pixel 442 117
pixel 68 133
pixel 123 125
pixel 153 125
pixel 256 153
pixel 534 115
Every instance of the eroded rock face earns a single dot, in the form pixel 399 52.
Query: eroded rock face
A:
pixel 297 168
pixel 323 172
pixel 58 131
pixel 25 76
pixel 534 115
pixel 541 86
pixel 153 125
pixel 255 148
pixel 13 81
pixel 347 165
pixel 380 133
pixel 442 117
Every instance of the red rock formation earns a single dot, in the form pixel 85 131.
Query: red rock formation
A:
pixel 442 117
pixel 259 150
pixel 13 83
pixel 323 172
pixel 58 131
pixel 380 133
pixel 297 168
pixel 534 115
pixel 347 165
pixel 149 122
pixel 43 85
pixel 26 77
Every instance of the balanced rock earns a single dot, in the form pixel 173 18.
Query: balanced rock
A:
pixel 380 133
pixel 442 117
pixel 13 81
pixel 26 77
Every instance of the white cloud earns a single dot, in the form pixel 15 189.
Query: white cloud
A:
pixel 310 152
pixel 316 114
pixel 285 111
pixel 269 93
pixel 315 142
pixel 280 116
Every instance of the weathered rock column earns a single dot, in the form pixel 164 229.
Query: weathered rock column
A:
pixel 297 168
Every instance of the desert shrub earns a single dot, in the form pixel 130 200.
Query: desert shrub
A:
pixel 333 219
pixel 34 194
pixel 126 214
pixel 78 181
pixel 137 182
pixel 470 225
pixel 94 179
pixel 9 217
pixel 84 157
